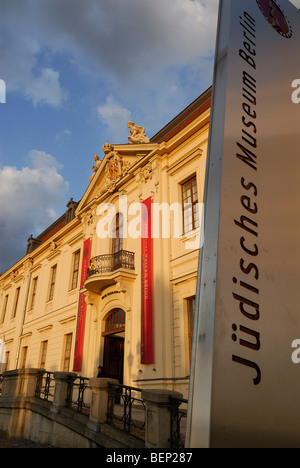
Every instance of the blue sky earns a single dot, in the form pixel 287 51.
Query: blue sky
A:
pixel 76 72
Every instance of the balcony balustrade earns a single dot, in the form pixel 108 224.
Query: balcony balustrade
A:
pixel 106 270
pixel 111 262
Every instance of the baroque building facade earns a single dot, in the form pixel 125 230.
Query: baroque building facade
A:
pixel 113 281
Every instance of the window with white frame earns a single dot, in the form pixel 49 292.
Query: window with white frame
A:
pixel 190 205
pixel 52 282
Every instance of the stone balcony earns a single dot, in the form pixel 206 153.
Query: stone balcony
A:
pixel 107 270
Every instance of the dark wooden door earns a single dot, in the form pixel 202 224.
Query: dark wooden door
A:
pixel 114 358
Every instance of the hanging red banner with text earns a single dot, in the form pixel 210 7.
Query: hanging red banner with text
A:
pixel 147 352
pixel 81 308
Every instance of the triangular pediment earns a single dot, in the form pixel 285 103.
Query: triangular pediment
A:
pixel 116 164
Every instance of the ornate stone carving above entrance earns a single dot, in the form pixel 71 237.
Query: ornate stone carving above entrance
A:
pixel 117 296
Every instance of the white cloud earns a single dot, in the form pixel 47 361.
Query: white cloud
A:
pixel 123 41
pixel 28 197
pixel 45 89
pixel 63 134
pixel 19 65
pixel 22 41
pixel 115 117
pixel 139 47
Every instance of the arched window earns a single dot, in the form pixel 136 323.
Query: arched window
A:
pixel 115 322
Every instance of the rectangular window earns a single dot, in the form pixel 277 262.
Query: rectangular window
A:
pixel 190 205
pixel 75 272
pixel 117 235
pixel 4 309
pixel 24 357
pixel 52 282
pixel 33 293
pixel 191 313
pixel 6 365
pixel 14 313
pixel 44 348
pixel 67 352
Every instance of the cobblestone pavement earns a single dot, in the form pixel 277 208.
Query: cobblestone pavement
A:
pixel 20 443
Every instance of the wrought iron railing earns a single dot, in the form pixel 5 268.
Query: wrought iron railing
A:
pixel 126 410
pixel 79 395
pixel 111 262
pixel 1 382
pixel 178 414
pixel 45 386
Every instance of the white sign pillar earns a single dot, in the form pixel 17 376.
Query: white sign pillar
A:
pixel 245 380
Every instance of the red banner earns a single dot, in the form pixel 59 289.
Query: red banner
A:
pixel 147 351
pixel 81 308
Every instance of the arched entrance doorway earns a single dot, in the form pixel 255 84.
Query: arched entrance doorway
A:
pixel 114 337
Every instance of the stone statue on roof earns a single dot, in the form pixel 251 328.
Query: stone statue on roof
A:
pixel 137 134
pixel 96 166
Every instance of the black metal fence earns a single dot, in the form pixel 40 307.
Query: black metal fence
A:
pixel 178 415
pixel 1 382
pixel 126 410
pixel 111 262
pixel 45 387
pixel 79 395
